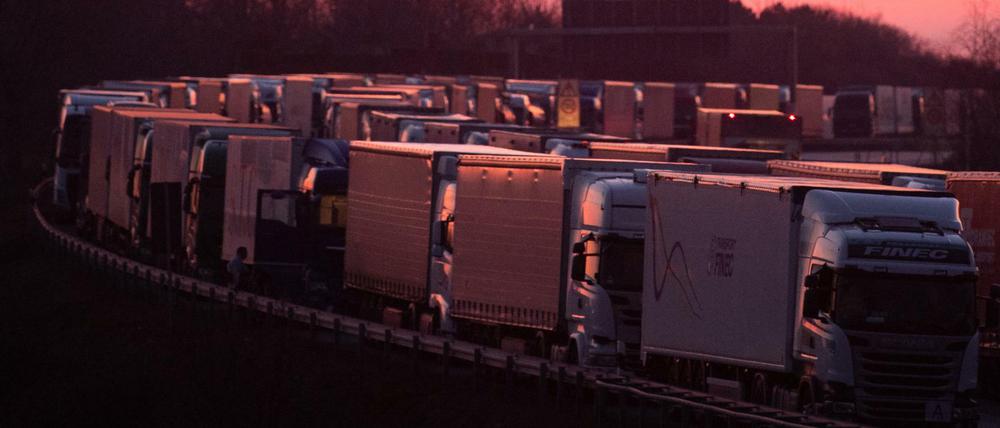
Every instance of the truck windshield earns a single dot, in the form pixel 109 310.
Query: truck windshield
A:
pixel 852 103
pixel 621 264
pixel 69 145
pixel 941 307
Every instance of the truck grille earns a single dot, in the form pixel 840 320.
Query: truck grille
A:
pixel 895 385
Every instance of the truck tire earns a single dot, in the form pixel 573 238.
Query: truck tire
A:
pixel 808 397
pixel 759 390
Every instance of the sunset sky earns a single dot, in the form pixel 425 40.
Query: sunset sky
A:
pixel 932 20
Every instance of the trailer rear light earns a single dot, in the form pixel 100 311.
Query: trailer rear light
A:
pixel 792 117
pixel 732 115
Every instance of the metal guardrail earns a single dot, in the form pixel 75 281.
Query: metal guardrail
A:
pixel 687 407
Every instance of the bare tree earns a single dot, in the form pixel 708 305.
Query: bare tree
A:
pixel 979 35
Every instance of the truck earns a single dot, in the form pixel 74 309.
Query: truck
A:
pixel 720 96
pixel 477 133
pixel 848 299
pixel 352 120
pixel 112 140
pixel 286 203
pixel 544 141
pixel 398 227
pixel 762 97
pixel 864 111
pixel 905 123
pixel 877 173
pixel 478 99
pixel 72 138
pixel 186 188
pixel 656 111
pixel 977 193
pixel 166 94
pixel 720 159
pixel 609 107
pixel 138 182
pixel 809 108
pixel 547 254
pixel 762 129
pixel 408 127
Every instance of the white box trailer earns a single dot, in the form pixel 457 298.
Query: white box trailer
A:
pixel 811 108
pixel 253 164
pixel 658 106
pixel 512 235
pixel 763 97
pixel 239 99
pixel 813 287
pixel 885 110
pixel 394 193
pixel 112 145
pixel 618 108
pixel 719 95
pixel 904 110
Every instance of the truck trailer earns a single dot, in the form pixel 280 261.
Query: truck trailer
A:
pixel 401 202
pixel 876 173
pixel 786 291
pixel 548 253
pixel 477 133
pixel 721 159
pixel 758 129
pixel 409 127
pixel 112 141
pixel 543 141
pixel 73 136
pixel 179 158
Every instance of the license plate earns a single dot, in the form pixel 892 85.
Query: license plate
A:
pixel 937 411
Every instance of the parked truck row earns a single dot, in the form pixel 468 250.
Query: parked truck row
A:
pixel 458 206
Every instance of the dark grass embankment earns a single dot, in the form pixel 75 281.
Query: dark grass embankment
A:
pixel 75 350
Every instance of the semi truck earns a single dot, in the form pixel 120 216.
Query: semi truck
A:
pixel 112 141
pixel 477 133
pixel 786 291
pixel 720 159
pixel 877 173
pixel 763 97
pixel 478 99
pixel 720 96
pixel 402 202
pixel 163 93
pixel 656 111
pixel 864 111
pixel 978 193
pixel 186 188
pixel 408 127
pixel 352 120
pixel 761 129
pixel 544 141
pixel 73 135
pixel 809 108
pixel 547 255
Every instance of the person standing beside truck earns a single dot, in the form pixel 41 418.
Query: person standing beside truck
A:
pixel 236 268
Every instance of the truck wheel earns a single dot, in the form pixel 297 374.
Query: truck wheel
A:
pixel 573 354
pixel 759 389
pixel 808 397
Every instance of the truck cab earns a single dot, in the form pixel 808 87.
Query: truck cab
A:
pixel 870 352
pixel 204 201
pixel 854 114
pixel 604 297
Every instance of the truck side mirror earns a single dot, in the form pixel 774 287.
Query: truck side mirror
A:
pixel 444 237
pixel 579 248
pixel 579 266
pixel 819 279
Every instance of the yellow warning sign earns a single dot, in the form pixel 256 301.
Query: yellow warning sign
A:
pixel 568 104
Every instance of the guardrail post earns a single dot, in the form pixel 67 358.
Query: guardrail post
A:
pixel 560 384
pixel 543 380
pixel 509 373
pixel 477 360
pixel 599 393
pixel 387 344
pixel 416 354
pixel 578 392
pixel 362 336
pixel 336 335
pixel 445 356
